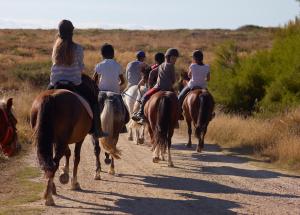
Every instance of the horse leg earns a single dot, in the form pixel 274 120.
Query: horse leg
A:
pixel 97 150
pixel 142 135
pixel 189 124
pixel 51 189
pixel 201 140
pixel 137 134
pixel 169 142
pixel 75 185
pixel 130 136
pixel 112 167
pixel 162 153
pixel 156 154
pixel 64 175
pixel 48 193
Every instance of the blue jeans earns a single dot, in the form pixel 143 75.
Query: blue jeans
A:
pixel 182 95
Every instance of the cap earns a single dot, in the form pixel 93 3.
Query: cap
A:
pixel 140 54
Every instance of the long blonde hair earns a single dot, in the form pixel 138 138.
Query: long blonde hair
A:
pixel 63 51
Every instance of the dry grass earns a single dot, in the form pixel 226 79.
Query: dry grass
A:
pixel 29 51
pixel 277 138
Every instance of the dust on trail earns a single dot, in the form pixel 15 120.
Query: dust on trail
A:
pixel 206 183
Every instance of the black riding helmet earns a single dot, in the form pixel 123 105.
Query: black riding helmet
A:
pixel 159 57
pixel 198 55
pixel 65 29
pixel 172 52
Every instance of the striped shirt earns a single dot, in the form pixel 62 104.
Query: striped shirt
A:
pixel 70 73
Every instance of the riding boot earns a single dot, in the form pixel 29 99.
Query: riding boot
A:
pixel 98 132
pixel 139 116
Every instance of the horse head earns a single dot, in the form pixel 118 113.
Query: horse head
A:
pixel 8 130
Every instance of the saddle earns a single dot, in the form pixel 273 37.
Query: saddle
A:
pixel 112 96
pixel 67 85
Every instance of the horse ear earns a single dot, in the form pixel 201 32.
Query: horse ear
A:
pixel 9 104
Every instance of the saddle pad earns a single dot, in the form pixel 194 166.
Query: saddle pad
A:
pixel 84 103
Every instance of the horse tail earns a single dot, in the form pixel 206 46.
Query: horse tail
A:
pixel 203 113
pixel 163 122
pixel 108 124
pixel 43 136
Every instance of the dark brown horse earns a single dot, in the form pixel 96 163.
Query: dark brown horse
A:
pixel 161 112
pixel 8 132
pixel 198 107
pixel 58 118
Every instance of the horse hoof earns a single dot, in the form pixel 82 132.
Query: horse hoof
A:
pixel 50 202
pixel 76 186
pixel 64 178
pixel 112 172
pixel 130 138
pixel 171 165
pixel 155 160
pixel 107 161
pixel 199 149
pixel 140 141
pixel 54 190
pixel 97 177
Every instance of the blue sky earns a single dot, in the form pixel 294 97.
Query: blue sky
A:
pixel 151 14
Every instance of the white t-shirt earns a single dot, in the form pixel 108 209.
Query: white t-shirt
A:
pixel 199 75
pixel 110 71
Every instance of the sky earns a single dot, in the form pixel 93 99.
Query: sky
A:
pixel 151 14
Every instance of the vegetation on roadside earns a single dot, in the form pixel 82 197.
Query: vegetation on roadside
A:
pixel 265 81
pixel 277 139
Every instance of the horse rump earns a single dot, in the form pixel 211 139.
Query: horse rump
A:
pixel 206 106
pixel 42 123
pixel 162 126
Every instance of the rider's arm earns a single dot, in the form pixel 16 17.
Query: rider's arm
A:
pixel 96 78
pixel 122 80
pixel 208 77
pixel 190 73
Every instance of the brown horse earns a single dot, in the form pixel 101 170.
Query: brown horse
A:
pixel 161 112
pixel 58 118
pixel 198 107
pixel 8 132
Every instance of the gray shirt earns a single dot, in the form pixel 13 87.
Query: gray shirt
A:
pixel 166 76
pixel 133 72
pixel 70 73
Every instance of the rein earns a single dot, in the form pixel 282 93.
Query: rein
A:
pixel 9 133
pixel 131 97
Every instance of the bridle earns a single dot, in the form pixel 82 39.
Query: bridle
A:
pixel 9 136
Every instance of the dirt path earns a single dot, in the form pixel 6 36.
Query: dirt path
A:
pixel 207 183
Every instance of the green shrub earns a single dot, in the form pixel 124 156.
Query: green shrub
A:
pixel 36 73
pixel 267 80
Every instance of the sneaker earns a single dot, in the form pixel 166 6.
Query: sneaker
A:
pixel 137 117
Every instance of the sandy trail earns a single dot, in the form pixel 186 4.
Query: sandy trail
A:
pixel 206 183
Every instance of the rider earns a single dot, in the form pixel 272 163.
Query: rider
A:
pixel 135 69
pixel 108 74
pixel 165 81
pixel 199 74
pixel 159 59
pixel 149 76
pixel 68 66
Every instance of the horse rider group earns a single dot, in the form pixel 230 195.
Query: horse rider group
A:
pixel 68 65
